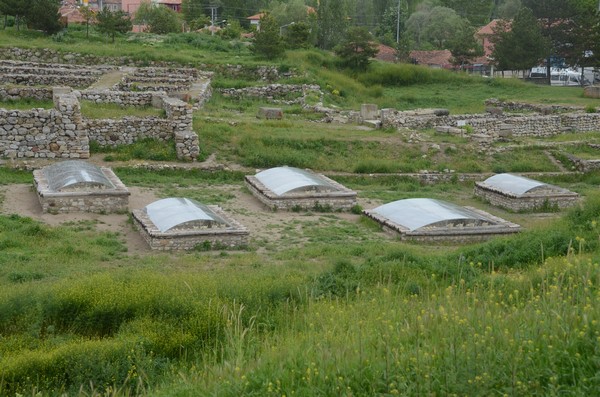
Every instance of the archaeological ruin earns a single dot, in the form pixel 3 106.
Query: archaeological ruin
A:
pixel 289 188
pixel 78 186
pixel 430 220
pixel 518 193
pixel 185 224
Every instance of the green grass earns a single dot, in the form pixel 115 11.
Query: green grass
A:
pixel 323 304
pixel 26 104
pixel 145 149
pixel 94 110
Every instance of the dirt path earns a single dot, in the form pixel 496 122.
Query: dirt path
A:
pixel 108 80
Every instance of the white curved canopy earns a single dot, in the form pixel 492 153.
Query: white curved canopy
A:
pixel 282 180
pixel 515 184
pixel 171 212
pixel 69 173
pixel 416 213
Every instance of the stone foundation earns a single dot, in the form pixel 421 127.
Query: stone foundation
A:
pixel 540 200
pixel 232 237
pixel 63 133
pixel 453 233
pixel 98 200
pixel 342 200
pixel 44 133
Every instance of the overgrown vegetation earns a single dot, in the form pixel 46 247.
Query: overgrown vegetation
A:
pixel 333 307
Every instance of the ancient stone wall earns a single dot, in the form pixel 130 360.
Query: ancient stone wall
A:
pixel 48 80
pixel 18 93
pixel 272 91
pixel 494 125
pixel 233 236
pixel 92 200
pixel 123 98
pixel 262 72
pixel 63 133
pixel 177 125
pixel 526 203
pixel 342 200
pixel 584 165
pixel 45 133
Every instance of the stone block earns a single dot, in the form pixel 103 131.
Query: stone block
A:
pixel 592 92
pixel 270 113
pixel 369 111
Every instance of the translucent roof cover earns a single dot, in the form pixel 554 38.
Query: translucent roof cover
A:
pixel 515 184
pixel 171 212
pixel 417 213
pixel 66 174
pixel 282 180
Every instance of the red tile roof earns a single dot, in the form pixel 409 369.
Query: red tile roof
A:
pixel 256 17
pixel 386 53
pixel 441 58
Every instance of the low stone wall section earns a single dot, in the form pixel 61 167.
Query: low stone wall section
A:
pixel 342 200
pixel 124 98
pixel 63 133
pixel 8 93
pixel 584 165
pixel 46 55
pixel 44 133
pixel 16 63
pixel 450 233
pixel 515 106
pixel 534 202
pixel 48 80
pixel 498 125
pixel 159 87
pixel 234 236
pixel 177 126
pixel 98 201
pixel 269 91
pixel 191 73
pixel 127 130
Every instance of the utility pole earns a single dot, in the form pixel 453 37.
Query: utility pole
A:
pixel 213 16
pixel 398 24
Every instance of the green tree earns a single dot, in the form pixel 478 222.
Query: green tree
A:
pixel 298 35
pixel 15 8
pixel 464 46
pixel 508 9
pixel 233 30
pixel 111 23
pixel 331 23
pixel 392 24
pixel 292 11
pixel 89 15
pixel 478 12
pixel 192 10
pixel 357 49
pixel 434 27
pixel 521 46
pixel 267 42
pixel 584 34
pixel 158 19
pixel 43 15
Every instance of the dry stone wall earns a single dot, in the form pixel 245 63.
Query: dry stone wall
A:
pixel 63 133
pixel 234 235
pixel 44 133
pixel 18 93
pixel 124 98
pixel 527 202
pixel 497 125
pixel 262 72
